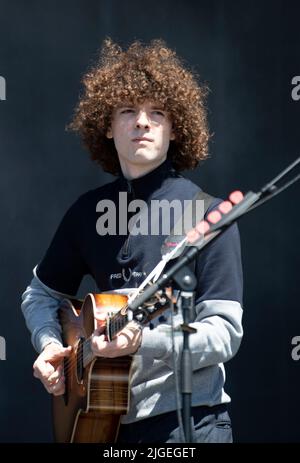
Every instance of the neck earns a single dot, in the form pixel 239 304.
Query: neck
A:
pixel 131 172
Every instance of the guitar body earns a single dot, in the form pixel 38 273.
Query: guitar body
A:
pixel 96 389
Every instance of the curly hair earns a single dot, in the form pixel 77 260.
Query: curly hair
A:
pixel 153 73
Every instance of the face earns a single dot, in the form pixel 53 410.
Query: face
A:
pixel 141 134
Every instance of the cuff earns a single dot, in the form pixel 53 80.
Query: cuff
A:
pixel 45 336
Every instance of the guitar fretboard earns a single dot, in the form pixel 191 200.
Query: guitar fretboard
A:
pixel 115 324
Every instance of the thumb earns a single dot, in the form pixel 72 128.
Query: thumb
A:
pixel 99 330
pixel 67 351
pixel 57 352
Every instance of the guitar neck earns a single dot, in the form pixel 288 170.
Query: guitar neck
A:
pixel 115 324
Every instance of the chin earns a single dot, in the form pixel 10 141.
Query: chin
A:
pixel 147 157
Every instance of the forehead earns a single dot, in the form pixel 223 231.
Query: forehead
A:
pixel 140 104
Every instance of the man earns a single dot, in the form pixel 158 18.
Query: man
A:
pixel 142 117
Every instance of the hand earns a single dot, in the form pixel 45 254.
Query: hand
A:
pixel 48 368
pixel 126 342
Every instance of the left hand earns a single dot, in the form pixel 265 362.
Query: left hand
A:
pixel 127 342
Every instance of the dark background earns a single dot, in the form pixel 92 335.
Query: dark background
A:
pixel 248 53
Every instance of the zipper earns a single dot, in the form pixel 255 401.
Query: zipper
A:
pixel 129 188
pixel 130 196
pixel 125 248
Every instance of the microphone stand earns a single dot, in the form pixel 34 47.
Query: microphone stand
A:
pixel 186 280
pixel 187 283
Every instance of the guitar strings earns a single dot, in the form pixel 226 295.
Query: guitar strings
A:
pixel 81 357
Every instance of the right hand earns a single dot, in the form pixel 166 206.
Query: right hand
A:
pixel 48 368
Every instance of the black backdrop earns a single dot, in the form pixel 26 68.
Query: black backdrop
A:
pixel 248 53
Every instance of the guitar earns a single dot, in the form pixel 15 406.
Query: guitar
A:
pixel 96 388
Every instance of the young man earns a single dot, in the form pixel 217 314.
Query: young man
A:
pixel 142 117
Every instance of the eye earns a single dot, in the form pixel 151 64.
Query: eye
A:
pixel 158 112
pixel 126 111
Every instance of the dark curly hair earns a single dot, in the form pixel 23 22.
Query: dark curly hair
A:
pixel 140 73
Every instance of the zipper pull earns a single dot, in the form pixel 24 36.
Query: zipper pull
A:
pixel 130 190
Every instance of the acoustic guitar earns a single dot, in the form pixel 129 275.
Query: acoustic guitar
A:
pixel 96 388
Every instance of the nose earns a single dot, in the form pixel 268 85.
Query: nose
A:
pixel 142 120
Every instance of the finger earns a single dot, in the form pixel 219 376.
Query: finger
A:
pixel 131 331
pixel 59 385
pixel 42 370
pixel 68 351
pixel 100 328
pixel 133 325
pixel 129 340
pixel 101 322
pixel 59 391
pixel 56 375
pixel 56 389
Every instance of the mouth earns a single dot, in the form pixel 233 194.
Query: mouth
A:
pixel 140 139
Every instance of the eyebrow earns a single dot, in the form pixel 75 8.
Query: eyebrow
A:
pixel 124 106
pixel 130 105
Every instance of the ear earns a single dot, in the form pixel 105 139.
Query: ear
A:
pixel 109 133
pixel 172 136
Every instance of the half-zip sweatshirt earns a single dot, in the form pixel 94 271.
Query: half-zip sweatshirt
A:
pixel 123 261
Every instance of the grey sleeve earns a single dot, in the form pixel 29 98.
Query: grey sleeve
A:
pixel 39 306
pixel 218 336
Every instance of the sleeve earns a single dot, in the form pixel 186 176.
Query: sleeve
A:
pixel 63 267
pixel 39 306
pixel 218 318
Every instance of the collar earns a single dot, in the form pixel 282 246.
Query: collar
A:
pixel 142 187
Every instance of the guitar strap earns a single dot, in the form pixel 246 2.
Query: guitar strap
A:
pixel 190 217
pixel 187 215
pixel 208 199
pixel 187 221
